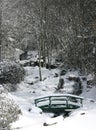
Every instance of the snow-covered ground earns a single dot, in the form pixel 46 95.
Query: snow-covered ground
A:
pixel 32 117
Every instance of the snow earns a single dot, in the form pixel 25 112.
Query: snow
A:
pixel 91 94
pixel 11 39
pixel 1 89
pixel 60 96
pixel 33 117
pixel 78 121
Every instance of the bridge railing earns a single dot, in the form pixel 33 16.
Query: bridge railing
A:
pixel 59 100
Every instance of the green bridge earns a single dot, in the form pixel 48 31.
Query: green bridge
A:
pixel 59 103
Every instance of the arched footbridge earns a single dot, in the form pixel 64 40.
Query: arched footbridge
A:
pixel 59 103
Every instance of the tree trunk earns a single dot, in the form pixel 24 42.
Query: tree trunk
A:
pixel 39 54
pixel 40 74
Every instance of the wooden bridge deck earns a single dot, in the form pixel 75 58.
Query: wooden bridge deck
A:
pixel 58 103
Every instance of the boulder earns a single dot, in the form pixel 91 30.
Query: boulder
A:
pixel 77 87
pixel 60 84
pixel 23 56
pixel 63 72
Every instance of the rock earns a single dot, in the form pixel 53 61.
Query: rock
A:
pixel 23 56
pixel 84 78
pixel 60 84
pixel 63 72
pixel 29 109
pixel 73 78
pixel 46 124
pixel 31 83
pixel 83 113
pixel 90 82
pixel 56 75
pixel 51 66
pixel 92 100
pixel 77 87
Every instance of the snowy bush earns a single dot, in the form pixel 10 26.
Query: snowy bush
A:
pixel 10 72
pixel 8 111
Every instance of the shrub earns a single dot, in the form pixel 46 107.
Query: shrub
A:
pixel 8 111
pixel 11 72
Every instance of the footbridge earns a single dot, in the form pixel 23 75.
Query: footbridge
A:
pixel 59 103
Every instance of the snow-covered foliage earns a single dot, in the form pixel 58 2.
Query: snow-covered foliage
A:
pixel 9 111
pixel 10 72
